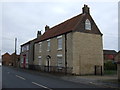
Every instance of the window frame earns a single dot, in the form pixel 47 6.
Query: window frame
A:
pixel 48 45
pixel 59 62
pixel 88 24
pixel 59 43
pixel 39 60
pixel 40 46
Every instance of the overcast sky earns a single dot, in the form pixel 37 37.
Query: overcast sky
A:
pixel 24 19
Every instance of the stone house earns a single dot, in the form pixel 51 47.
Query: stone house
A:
pixel 27 53
pixel 117 59
pixel 73 46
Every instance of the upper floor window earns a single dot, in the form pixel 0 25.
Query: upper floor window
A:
pixel 48 45
pixel 87 24
pixel 40 46
pixel 25 48
pixel 59 39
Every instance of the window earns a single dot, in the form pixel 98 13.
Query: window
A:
pixel 48 43
pixel 40 46
pixel 59 43
pixel 21 60
pixel 87 24
pixel 39 60
pixel 27 47
pixel 22 49
pixel 59 61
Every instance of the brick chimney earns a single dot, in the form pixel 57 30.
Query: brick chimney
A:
pixel 38 34
pixel 85 9
pixel 47 28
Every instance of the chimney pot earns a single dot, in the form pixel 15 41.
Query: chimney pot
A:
pixel 38 34
pixel 47 28
pixel 85 9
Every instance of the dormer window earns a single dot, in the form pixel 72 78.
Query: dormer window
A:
pixel 87 24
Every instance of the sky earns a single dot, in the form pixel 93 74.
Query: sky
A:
pixel 22 20
pixel 119 26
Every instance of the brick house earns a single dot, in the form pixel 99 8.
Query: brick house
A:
pixel 109 54
pixel 10 60
pixel 117 59
pixel 27 53
pixel 73 46
pixel 15 60
pixel 6 59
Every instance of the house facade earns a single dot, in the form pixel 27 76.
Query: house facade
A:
pixel 6 59
pixel 117 59
pixel 10 60
pixel 73 46
pixel 27 53
pixel 15 60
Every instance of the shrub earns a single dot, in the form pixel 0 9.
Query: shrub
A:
pixel 110 65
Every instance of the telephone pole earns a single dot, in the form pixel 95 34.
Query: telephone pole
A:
pixel 15 52
pixel 15 45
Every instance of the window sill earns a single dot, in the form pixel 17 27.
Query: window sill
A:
pixel 59 49
pixel 48 50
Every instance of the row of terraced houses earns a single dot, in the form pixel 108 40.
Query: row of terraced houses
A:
pixel 73 46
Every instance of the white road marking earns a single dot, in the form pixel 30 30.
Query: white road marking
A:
pixel 41 85
pixel 20 77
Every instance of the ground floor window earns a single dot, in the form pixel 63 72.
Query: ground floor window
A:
pixel 39 60
pixel 59 62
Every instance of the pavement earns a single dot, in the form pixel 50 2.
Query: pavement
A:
pixel 105 81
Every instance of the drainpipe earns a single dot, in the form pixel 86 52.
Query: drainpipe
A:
pixel 65 54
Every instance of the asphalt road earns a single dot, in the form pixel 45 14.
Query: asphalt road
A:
pixel 13 78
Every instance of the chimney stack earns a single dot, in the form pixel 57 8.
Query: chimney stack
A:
pixel 47 28
pixel 38 34
pixel 85 9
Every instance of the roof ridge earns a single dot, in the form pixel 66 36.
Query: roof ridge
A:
pixel 64 27
pixel 66 20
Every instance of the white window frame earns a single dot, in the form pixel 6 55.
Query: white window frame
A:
pixel 59 63
pixel 59 45
pixel 48 45
pixel 40 46
pixel 87 24
pixel 27 47
pixel 39 60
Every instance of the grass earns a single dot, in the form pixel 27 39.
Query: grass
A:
pixel 110 72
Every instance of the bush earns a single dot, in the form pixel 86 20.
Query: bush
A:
pixel 110 65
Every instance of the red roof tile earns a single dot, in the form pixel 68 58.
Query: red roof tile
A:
pixel 67 26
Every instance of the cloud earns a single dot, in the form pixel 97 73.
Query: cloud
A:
pixel 23 20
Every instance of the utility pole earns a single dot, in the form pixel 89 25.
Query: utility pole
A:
pixel 15 44
pixel 15 52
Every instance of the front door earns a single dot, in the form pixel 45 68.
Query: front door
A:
pixel 24 61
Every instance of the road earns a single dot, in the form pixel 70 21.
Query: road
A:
pixel 13 78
